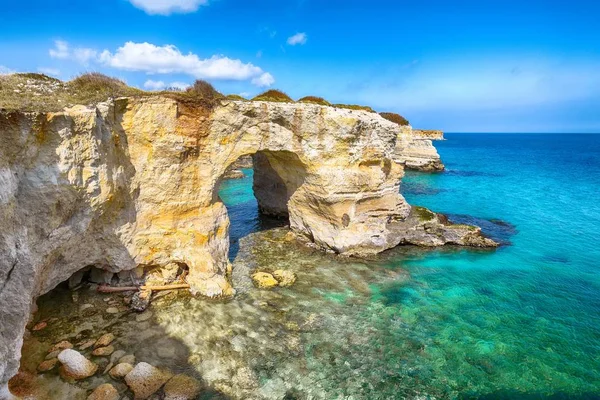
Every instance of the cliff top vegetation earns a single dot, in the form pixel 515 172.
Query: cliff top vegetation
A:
pixel 39 92
pixel 397 118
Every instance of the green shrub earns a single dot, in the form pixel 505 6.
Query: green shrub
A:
pixel 397 118
pixel 274 95
pixel 314 100
pixel 354 107
pixel 204 90
pixel 236 97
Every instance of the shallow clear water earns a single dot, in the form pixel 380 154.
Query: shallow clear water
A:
pixel 519 322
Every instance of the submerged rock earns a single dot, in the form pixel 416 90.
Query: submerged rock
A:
pixel 145 380
pixel 75 366
pixel 141 300
pixel 105 391
pixel 284 277
pixel 182 387
pixel 103 351
pixel 60 346
pixel 264 280
pixel 47 365
pixel 120 370
pixel 104 340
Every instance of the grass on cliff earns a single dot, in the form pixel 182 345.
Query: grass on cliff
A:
pixel 314 100
pixel 354 107
pixel 39 92
pixel 397 118
pixel 275 96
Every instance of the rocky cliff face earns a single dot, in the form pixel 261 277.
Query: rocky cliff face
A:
pixel 415 149
pixel 134 182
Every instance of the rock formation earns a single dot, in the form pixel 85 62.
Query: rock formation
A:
pixel 134 183
pixel 415 150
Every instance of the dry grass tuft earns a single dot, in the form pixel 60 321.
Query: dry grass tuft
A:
pixel 397 118
pixel 236 97
pixel 274 95
pixel 314 100
pixel 354 107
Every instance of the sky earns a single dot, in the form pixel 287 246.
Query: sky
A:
pixel 459 66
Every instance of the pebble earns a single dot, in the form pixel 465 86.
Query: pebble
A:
pixel 61 346
pixel 53 354
pixel 106 391
pixel 103 351
pixel 146 315
pixel 104 340
pixel 47 365
pixel 114 357
pixel 112 310
pixel 86 344
pixel 120 370
pixel 40 325
pixel 128 359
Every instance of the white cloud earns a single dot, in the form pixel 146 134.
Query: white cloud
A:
pixel 168 59
pixel 179 85
pixel 49 71
pixel 154 85
pixel 6 71
pixel 62 50
pixel 265 79
pixel 298 38
pixel 84 55
pixel 167 7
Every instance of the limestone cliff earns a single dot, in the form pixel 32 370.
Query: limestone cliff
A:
pixel 134 182
pixel 415 149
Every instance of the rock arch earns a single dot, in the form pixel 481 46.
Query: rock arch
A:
pixel 133 182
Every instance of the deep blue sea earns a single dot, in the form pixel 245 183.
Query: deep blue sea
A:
pixel 519 322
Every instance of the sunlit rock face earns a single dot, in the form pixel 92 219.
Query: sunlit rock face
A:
pixel 134 182
pixel 415 149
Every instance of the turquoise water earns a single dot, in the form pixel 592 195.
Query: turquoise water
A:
pixel 519 322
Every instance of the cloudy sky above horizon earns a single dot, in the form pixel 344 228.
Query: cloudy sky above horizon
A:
pixel 461 66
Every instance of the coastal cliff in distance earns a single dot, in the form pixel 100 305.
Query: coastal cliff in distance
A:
pixel 416 151
pixel 132 183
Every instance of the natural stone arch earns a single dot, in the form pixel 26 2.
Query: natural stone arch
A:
pixel 132 182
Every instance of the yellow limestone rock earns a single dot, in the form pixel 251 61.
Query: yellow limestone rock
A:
pixel 264 280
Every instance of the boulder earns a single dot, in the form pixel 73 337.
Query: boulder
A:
pixel 144 380
pixel 75 366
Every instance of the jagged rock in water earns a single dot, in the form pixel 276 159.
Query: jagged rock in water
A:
pixel 106 391
pixel 75 366
pixel 133 182
pixel 144 380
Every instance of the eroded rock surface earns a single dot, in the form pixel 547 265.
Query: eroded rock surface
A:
pixel 134 183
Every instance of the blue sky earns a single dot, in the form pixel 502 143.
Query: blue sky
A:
pixel 460 66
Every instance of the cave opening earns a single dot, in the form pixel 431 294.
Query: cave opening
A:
pixel 256 190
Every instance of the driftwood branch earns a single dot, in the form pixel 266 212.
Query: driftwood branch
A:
pixel 115 289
